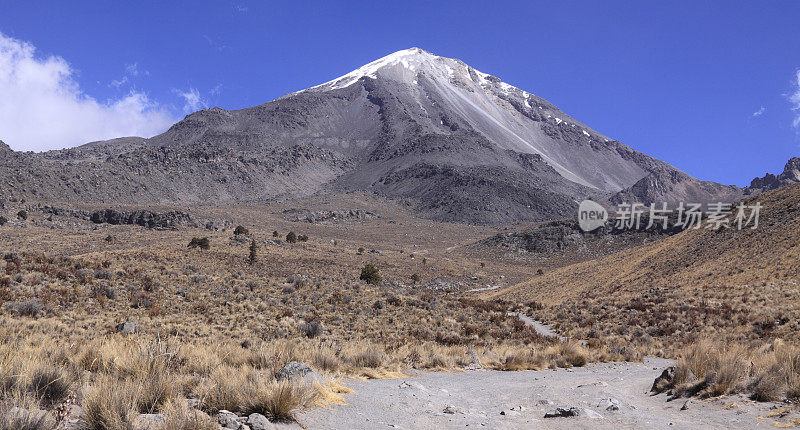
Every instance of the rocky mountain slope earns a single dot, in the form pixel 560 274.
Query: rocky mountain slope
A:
pixel 460 144
pixel 732 260
pixel 790 175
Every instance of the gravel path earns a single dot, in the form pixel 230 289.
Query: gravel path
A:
pixel 517 400
pixel 538 327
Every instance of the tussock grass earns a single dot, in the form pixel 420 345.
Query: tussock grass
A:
pixel 768 371
pixel 277 401
pixel 15 418
pixel 179 416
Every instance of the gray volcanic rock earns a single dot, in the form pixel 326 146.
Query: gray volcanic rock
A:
pixel 306 215
pixel 673 186
pixel 790 175
pixel 169 220
pixel 461 144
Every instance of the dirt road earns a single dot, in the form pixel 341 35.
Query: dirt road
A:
pixel 519 400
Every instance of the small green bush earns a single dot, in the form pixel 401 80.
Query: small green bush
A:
pixel 370 274
pixel 23 215
pixel 291 237
pixel 253 257
pixel 240 230
pixel 200 242
pixel 3 220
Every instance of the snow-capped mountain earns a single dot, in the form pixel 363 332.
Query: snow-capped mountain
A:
pixel 460 143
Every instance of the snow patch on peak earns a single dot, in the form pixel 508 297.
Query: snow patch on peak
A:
pixel 411 59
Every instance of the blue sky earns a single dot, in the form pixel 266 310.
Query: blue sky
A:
pixel 705 86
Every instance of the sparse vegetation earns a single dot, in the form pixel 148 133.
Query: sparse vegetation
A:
pixel 231 325
pixel 3 220
pixel 23 215
pixel 240 231
pixel 291 237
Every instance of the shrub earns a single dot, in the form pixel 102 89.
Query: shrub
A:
pixel 302 238
pixel 3 220
pixel 370 274
pixel 200 242
pixel 275 233
pixel 370 358
pixel 23 215
pixel 311 329
pixel 31 308
pixel 291 237
pixel 415 278
pixel 240 231
pixel 253 252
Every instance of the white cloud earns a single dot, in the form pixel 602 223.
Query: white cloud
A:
pixel 217 90
pixel 42 106
pixel 132 69
pixel 795 99
pixel 193 101
pixel 759 112
pixel 118 83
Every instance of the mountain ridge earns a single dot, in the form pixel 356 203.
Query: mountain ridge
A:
pixel 464 145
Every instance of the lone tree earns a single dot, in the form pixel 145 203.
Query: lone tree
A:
pixel 253 252
pixel 241 231
pixel 200 242
pixel 291 237
pixel 370 274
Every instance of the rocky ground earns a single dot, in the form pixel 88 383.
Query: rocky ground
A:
pixel 604 395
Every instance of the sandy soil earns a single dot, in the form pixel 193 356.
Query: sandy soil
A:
pixel 517 400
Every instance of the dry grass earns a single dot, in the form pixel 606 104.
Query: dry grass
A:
pixel 179 416
pixel 12 418
pixel 277 401
pixel 767 372
pixel 215 328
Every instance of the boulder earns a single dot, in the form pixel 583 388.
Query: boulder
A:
pixel 563 413
pixel 450 409
pixel 128 327
pixel 259 422
pixel 573 412
pixel 664 381
pixel 228 420
pixel 300 371
pixel 149 422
